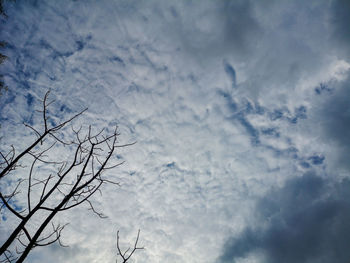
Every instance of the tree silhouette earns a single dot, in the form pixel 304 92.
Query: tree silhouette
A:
pixel 127 254
pixel 45 185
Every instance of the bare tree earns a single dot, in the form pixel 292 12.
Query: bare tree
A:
pixel 126 255
pixel 48 186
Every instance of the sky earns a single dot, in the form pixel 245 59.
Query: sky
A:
pixel 240 113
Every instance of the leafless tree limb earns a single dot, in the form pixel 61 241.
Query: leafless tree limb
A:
pixel 73 183
pixel 124 255
pixel 47 131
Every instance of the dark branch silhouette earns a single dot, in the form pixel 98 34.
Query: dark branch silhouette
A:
pixel 51 186
pixel 125 256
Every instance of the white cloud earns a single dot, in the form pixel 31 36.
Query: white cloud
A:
pixel 220 98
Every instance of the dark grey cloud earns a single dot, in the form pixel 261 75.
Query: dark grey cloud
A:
pixel 307 220
pixel 215 29
pixel 340 21
pixel 241 29
pixel 334 119
pixel 336 115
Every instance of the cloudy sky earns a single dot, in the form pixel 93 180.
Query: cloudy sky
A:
pixel 240 110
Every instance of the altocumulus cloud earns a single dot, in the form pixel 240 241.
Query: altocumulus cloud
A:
pixel 239 109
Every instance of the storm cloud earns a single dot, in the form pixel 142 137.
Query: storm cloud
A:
pixel 340 20
pixel 307 220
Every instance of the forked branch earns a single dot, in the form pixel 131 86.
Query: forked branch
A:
pixel 125 256
pixel 66 185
